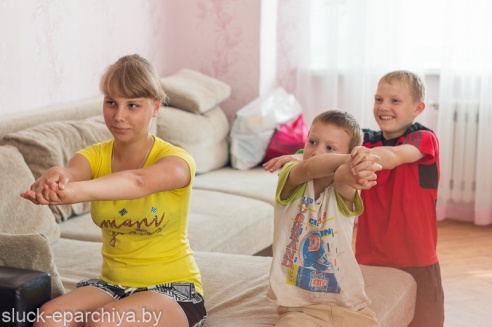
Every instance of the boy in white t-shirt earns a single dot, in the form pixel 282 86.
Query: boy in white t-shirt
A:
pixel 314 277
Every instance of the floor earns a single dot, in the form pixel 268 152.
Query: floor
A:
pixel 465 256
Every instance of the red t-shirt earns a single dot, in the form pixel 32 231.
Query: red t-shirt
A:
pixel 398 227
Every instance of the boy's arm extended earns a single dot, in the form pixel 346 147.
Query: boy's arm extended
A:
pixel 393 156
pixel 278 162
pixel 317 167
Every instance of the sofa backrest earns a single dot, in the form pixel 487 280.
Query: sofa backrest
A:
pixel 53 144
pixel 17 215
pixel 61 112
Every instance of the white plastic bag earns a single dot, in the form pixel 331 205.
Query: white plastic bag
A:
pixel 255 123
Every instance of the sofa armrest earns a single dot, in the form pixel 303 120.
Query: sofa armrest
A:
pixel 32 252
pixel 22 292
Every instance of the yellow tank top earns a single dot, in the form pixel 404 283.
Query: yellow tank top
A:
pixel 145 241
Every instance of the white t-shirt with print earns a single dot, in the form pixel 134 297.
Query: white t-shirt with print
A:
pixel 313 261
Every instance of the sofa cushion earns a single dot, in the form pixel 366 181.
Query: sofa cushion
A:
pixel 235 289
pixel 228 223
pixel 193 91
pixel 30 251
pixel 203 136
pixel 77 260
pixel 52 144
pixel 17 215
pixel 392 293
pixel 253 183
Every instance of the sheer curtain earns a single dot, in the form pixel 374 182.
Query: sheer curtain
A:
pixel 465 114
pixel 345 46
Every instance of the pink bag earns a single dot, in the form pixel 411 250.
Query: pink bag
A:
pixel 287 139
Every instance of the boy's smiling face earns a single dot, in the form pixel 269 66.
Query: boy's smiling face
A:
pixel 395 109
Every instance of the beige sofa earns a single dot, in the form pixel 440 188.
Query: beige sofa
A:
pixel 231 214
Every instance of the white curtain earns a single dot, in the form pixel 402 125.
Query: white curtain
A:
pixel 347 45
pixel 465 114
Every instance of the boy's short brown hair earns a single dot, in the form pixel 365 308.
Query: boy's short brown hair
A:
pixel 343 120
pixel 407 78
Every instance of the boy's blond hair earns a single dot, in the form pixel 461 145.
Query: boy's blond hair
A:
pixel 132 77
pixel 409 79
pixel 343 120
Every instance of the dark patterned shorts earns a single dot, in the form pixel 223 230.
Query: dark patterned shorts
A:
pixel 184 294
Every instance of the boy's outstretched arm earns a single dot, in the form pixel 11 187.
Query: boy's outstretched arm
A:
pixel 278 162
pixel 322 166
pixel 391 156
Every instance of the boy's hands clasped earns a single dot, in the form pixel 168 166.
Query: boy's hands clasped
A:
pixel 363 166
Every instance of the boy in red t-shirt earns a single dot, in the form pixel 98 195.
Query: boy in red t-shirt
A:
pixel 398 227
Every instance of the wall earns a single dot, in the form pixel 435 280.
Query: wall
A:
pixel 54 51
pixel 218 38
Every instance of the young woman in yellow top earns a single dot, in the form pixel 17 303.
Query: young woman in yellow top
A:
pixel 140 187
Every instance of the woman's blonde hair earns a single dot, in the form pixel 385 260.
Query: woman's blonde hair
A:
pixel 132 77
pixel 342 119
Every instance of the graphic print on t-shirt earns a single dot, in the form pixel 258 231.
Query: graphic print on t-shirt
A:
pixel 142 226
pixel 307 255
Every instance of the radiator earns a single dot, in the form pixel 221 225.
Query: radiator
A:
pixel 458 154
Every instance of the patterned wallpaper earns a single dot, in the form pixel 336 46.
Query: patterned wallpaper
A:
pixel 220 38
pixel 54 51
